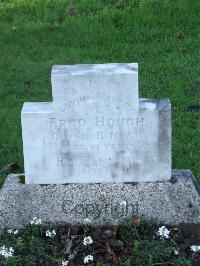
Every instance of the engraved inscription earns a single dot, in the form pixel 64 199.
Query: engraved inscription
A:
pixel 103 142
pixel 106 101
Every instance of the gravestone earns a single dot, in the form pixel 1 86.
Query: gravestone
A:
pixel 96 129
pixel 90 151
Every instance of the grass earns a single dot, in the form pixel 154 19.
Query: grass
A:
pixel 134 243
pixel 163 36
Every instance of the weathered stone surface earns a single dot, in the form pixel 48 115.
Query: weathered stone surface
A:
pixel 96 129
pixel 88 83
pixel 172 202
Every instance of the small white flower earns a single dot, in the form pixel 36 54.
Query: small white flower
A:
pixel 65 262
pixel 50 233
pixel 176 252
pixel 195 248
pixel 39 221
pixel 11 231
pixel 163 231
pixel 88 258
pixel 87 241
pixel 11 249
pixel 36 221
pixel 87 221
pixel 6 252
pixel 123 203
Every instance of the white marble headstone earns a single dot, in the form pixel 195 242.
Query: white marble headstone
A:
pixel 96 129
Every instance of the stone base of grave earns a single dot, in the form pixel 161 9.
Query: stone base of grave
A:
pixel 172 202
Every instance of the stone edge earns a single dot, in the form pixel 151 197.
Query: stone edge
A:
pixel 185 174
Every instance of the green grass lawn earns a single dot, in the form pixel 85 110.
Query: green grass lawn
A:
pixel 163 36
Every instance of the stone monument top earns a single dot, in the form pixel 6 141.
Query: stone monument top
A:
pixel 96 129
pixel 112 82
